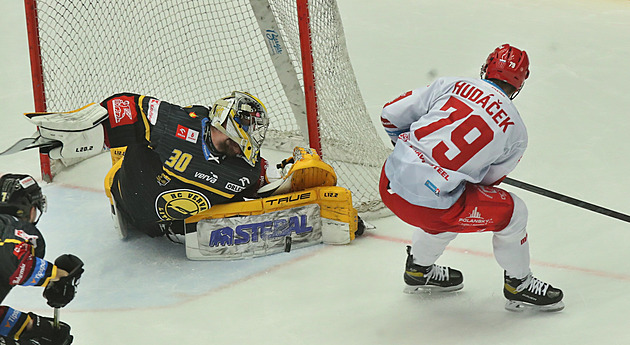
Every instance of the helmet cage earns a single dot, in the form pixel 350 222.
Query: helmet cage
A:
pixel 243 118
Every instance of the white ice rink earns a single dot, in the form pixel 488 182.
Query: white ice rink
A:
pixel 576 107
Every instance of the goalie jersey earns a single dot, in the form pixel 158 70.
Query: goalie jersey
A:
pixel 168 172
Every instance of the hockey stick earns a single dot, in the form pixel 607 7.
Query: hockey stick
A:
pixel 566 199
pixel 33 142
pixel 56 318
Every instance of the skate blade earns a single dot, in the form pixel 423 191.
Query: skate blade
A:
pixel 519 306
pixel 419 289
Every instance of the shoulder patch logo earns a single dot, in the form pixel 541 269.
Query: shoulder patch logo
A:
pixel 122 111
pixel 24 235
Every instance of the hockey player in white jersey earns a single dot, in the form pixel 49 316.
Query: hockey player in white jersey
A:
pixel 455 140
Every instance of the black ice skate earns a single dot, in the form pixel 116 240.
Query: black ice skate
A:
pixel 430 278
pixel 531 293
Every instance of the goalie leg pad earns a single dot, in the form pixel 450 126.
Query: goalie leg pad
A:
pixel 339 219
pixel 117 153
pixel 255 235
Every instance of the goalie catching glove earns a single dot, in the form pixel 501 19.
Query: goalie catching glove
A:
pixel 79 132
pixel 305 169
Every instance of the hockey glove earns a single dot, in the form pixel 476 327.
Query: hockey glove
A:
pixel 59 293
pixel 45 333
pixel 285 165
pixel 79 131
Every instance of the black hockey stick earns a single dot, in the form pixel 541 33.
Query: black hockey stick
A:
pixel 33 142
pixel 566 199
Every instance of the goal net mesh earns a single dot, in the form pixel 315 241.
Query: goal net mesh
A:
pixel 194 52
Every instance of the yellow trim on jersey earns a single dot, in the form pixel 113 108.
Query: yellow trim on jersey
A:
pixel 147 129
pixel 65 112
pixel 22 328
pixel 10 240
pixel 200 185
pixel 52 275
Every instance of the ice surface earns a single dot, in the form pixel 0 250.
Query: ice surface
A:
pixel 144 291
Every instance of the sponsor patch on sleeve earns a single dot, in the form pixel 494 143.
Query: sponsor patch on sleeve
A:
pixel 152 113
pixel 187 134
pixel 39 273
pixel 122 111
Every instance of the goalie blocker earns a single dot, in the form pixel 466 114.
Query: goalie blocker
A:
pixel 272 225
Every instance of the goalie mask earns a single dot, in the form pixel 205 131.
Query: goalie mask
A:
pixel 18 193
pixel 243 118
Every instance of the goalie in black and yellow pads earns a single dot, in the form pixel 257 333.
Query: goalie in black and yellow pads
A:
pixel 171 162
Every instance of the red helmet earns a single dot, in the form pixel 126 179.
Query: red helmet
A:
pixel 507 63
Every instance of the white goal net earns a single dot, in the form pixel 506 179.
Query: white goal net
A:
pixel 194 52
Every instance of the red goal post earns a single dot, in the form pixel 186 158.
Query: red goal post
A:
pixel 290 54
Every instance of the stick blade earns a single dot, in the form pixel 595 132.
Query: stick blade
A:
pixel 34 141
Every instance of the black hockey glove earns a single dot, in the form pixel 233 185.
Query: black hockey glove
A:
pixel 59 293
pixel 45 333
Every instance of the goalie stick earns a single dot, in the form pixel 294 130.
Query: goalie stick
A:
pixel 35 141
pixel 566 199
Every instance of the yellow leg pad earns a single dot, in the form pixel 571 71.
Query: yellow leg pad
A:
pixel 339 217
pixel 109 178
pixel 117 153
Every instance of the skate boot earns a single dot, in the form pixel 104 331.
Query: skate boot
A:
pixel 531 293
pixel 430 278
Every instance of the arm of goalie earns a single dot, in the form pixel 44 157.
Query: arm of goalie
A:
pixel 79 131
pixel 305 169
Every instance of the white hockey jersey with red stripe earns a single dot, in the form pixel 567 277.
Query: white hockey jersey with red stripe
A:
pixel 454 130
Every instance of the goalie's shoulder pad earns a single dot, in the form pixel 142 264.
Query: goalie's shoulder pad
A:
pixel 77 120
pixel 339 217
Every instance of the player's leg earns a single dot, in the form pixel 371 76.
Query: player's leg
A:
pixel 421 272
pixel 511 250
